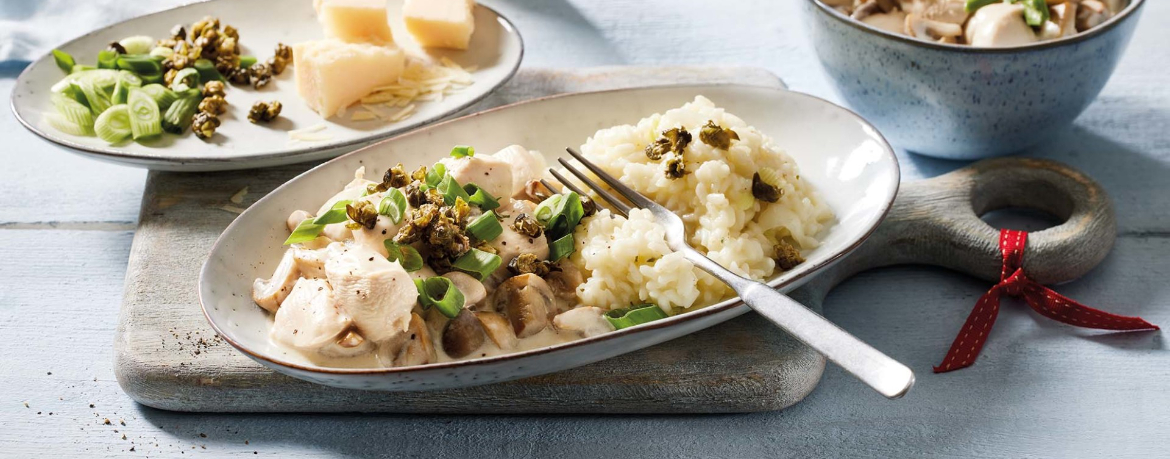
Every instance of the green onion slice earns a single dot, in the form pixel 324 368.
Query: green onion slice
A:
pixel 404 254
pixel 462 150
pixel 560 214
pixel 179 114
pixel 138 44
pixel 973 5
pixel 450 189
pixel 63 124
pixel 247 61
pixel 145 120
pixel 441 293
pixel 393 205
pixel 634 315
pixel 64 60
pixel 107 59
pixel 162 96
pixel 1035 12
pixel 74 111
pixel 207 71
pixel 480 198
pixel 477 263
pixel 561 248
pixel 188 77
pixel 144 64
pixel 435 175
pixel 312 227
pixel 113 125
pixel 486 227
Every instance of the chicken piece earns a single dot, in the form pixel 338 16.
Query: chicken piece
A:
pixel 296 217
pixel 952 11
pixel 999 24
pixel 473 291
pixel 1092 13
pixel 526 166
pixel 308 321
pixel 565 279
pixel 491 174
pixel 894 21
pixel 1063 21
pixel 586 321
pixel 269 293
pixel 930 30
pixel 352 192
pixel 511 243
pixel 376 293
pixel 374 239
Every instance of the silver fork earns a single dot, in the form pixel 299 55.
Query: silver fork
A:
pixel 871 366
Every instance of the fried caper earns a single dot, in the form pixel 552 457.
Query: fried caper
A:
pixel 676 166
pixel 363 213
pixel 527 263
pixel 215 105
pixel 765 191
pixel 526 225
pixel 715 136
pixel 264 111
pixel 283 51
pixel 277 64
pixel 787 256
pixel 261 74
pixel 204 125
pixel 213 88
pixel 395 177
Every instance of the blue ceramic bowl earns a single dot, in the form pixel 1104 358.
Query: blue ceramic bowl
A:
pixel 962 102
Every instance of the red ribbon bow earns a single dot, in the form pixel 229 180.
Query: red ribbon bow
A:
pixel 1041 299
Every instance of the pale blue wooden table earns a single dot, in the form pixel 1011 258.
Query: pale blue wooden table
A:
pixel 1042 389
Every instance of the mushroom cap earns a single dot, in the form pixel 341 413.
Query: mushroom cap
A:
pixel 498 329
pixel 463 335
pixel 526 300
pixel 999 24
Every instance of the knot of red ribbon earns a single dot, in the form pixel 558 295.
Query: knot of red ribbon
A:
pixel 1013 282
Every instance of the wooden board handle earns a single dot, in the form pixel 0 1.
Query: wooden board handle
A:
pixel 936 222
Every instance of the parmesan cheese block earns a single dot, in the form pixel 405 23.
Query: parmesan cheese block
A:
pixel 355 21
pixel 332 74
pixel 440 23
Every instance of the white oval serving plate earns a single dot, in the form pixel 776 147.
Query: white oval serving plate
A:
pixel 842 155
pixel 496 50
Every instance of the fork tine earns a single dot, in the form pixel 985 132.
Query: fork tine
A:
pixel 633 196
pixel 617 204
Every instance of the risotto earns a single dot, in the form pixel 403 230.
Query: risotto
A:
pixel 627 261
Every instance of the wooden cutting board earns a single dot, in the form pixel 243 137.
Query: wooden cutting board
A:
pixel 167 356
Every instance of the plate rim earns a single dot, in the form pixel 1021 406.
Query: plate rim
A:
pixel 263 159
pixel 720 307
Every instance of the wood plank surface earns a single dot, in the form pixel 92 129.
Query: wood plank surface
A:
pixel 1041 390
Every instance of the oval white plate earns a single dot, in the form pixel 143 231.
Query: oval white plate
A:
pixel 496 49
pixel 841 154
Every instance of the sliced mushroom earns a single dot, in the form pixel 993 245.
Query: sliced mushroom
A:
pixel 952 11
pixel 931 30
pixel 1062 21
pixel 526 300
pixel 463 335
pixel 269 293
pixel 894 21
pixel 564 281
pixel 534 191
pixel 865 10
pixel 1091 14
pixel 296 217
pixel 417 347
pixel 586 321
pixel 498 330
pixel 999 24
pixel 473 291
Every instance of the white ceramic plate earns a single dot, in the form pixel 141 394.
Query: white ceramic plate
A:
pixel 496 49
pixel 841 154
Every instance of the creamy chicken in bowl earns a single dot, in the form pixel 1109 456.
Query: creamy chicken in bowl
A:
pixel 481 254
pixel 982 23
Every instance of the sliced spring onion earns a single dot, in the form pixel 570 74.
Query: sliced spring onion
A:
pixel 486 227
pixel 107 59
pixel 404 254
pixel 560 214
pixel 162 96
pixel 64 60
pixel 973 5
pixel 97 99
pixel 441 293
pixel 561 248
pixel 477 263
pixel 462 150
pixel 72 110
pixel 83 68
pixel 247 61
pixel 480 198
pixel 1035 12
pixel 138 44
pixel 634 315
pixel 113 125
pixel 451 190
pixel 393 205
pixel 435 175
pixel 310 228
pixel 145 120
pixel 142 64
pixel 207 71
pixel 62 124
pixel 121 93
pixel 188 77
pixel 179 114
pixel 162 51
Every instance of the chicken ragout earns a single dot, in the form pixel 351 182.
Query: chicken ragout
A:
pixel 983 23
pixel 463 259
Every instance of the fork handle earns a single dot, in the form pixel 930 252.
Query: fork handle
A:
pixel 884 374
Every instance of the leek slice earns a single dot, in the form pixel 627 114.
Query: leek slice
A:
pixel 113 125
pixel 162 96
pixel 97 99
pixel 64 60
pixel 138 44
pixel 247 61
pixel 144 117
pixel 207 71
pixel 441 293
pixel 634 315
pixel 162 51
pixel 72 110
pixel 179 114
pixel 478 264
pixel 188 78
pixel 64 125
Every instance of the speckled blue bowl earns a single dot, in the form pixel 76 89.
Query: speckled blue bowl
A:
pixel 961 102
